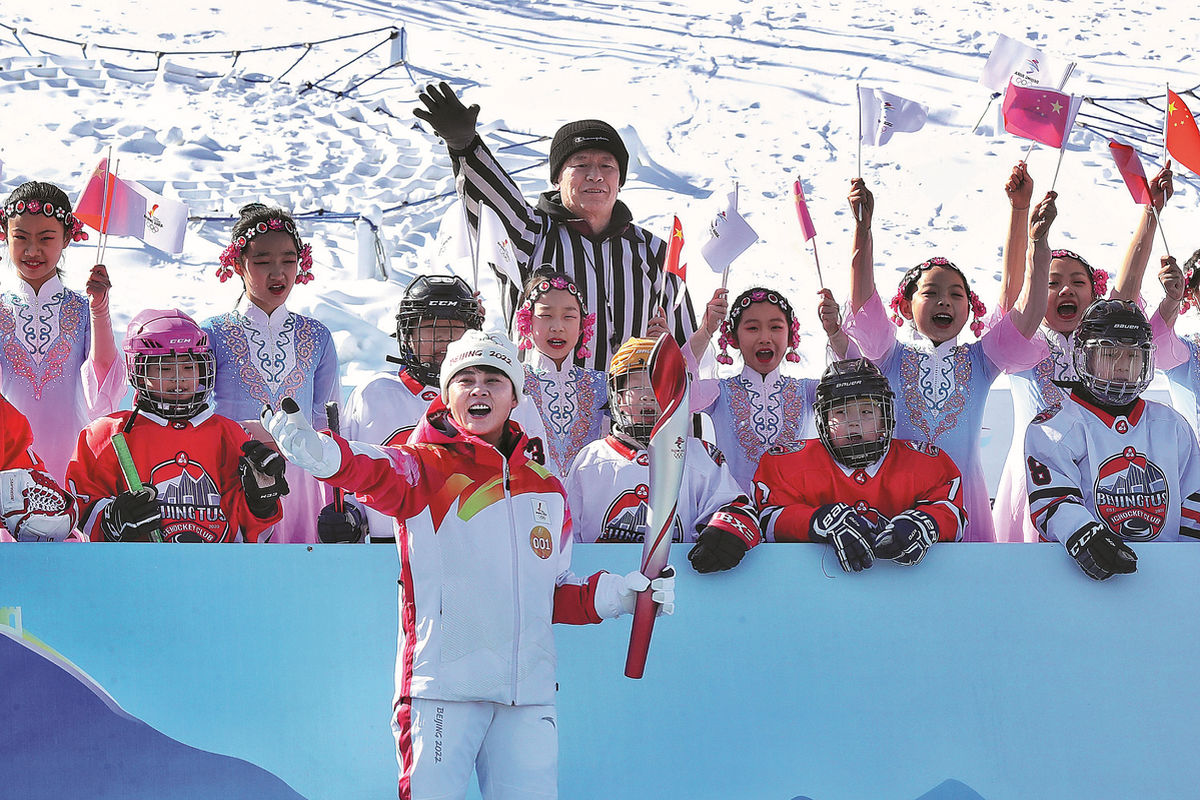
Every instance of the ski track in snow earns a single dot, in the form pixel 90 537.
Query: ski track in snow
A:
pixel 708 93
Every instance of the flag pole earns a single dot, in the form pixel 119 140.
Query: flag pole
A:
pixel 725 273
pixel 1161 233
pixel 103 210
pixel 817 259
pixel 991 100
pixel 1061 151
pixel 106 210
pixel 1166 117
pixel 858 101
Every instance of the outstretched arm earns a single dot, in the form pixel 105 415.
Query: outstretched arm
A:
pixel 1128 284
pixel 1031 306
pixel 862 254
pixel 1020 194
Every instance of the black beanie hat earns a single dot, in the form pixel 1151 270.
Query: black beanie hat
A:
pixel 582 135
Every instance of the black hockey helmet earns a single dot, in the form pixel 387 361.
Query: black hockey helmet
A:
pixel 433 297
pixel 1114 351
pixel 862 441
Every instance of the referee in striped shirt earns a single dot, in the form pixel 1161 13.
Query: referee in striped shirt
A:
pixel 580 227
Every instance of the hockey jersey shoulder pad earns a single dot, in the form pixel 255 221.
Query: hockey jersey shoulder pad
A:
pixel 1045 416
pixel 784 449
pixel 927 448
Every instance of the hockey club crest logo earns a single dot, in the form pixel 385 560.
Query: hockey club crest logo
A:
pixel 643 458
pixel 1132 496
pixel 870 514
pixel 625 520
pixel 189 501
pixel 428 394
pixel 1122 426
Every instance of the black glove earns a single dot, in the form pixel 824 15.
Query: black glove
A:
pixel 453 121
pixel 716 549
pixel 906 538
pixel 849 532
pixel 335 526
pixel 132 516
pixel 1101 553
pixel 261 470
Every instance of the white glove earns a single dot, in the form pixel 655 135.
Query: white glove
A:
pixel 663 589
pixel 313 452
pixel 35 508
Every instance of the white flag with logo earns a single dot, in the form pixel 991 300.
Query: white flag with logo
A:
pixel 1024 65
pixel 495 246
pixel 881 114
pixel 165 220
pixel 729 236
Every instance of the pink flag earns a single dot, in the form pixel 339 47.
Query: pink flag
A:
pixel 1131 170
pixel 806 223
pixel 122 213
pixel 1043 115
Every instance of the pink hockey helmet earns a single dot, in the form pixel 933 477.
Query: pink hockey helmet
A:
pixel 164 383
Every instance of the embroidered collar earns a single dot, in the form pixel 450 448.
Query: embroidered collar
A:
pixel 543 366
pixel 261 319
pixel 13 283
pixel 758 381
pixel 1134 415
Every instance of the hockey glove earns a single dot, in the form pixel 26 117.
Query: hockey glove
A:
pixel 663 588
pixel 132 516
pixel 262 472
pixel 906 538
pixel 716 549
pixel 347 525
pixel 34 507
pixel 848 531
pixel 1101 553
pixel 313 452
pixel 453 121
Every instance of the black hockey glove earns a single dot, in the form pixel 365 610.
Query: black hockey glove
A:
pixel 848 531
pixel 132 516
pixel 348 525
pixel 453 121
pixel 1101 553
pixel 716 549
pixel 262 472
pixel 906 538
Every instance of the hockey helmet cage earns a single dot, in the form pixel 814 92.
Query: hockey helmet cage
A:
pixel 431 298
pixel 1114 351
pixel 854 439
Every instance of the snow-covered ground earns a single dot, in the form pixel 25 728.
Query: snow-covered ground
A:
pixel 707 93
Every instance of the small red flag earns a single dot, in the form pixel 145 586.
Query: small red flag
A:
pixel 1183 139
pixel 1131 170
pixel 674 249
pixel 1043 115
pixel 806 223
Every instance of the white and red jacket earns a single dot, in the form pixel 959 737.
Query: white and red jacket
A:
pixel 485 554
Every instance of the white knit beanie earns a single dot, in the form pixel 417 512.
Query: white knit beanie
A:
pixel 479 349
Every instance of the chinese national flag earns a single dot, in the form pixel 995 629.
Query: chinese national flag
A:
pixel 1131 170
pixel 1183 139
pixel 806 223
pixel 1043 115
pixel 674 249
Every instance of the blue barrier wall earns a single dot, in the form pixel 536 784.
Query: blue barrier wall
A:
pixel 1002 667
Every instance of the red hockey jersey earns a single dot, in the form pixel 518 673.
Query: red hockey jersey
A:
pixel 192 463
pixel 792 482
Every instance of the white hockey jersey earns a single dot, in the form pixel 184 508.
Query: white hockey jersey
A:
pixel 1138 474
pixel 608 492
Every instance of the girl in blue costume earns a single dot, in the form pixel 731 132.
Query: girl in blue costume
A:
pixel 942 386
pixel 554 328
pixel 265 352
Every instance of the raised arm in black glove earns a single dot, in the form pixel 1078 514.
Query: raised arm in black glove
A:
pixel 132 516
pixel 261 470
pixel 453 121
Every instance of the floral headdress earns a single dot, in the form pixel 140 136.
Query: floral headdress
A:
pixel 72 223
pixel 1098 277
pixel 1190 269
pixel 233 253
pixel 978 309
pixel 757 295
pixel 524 315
